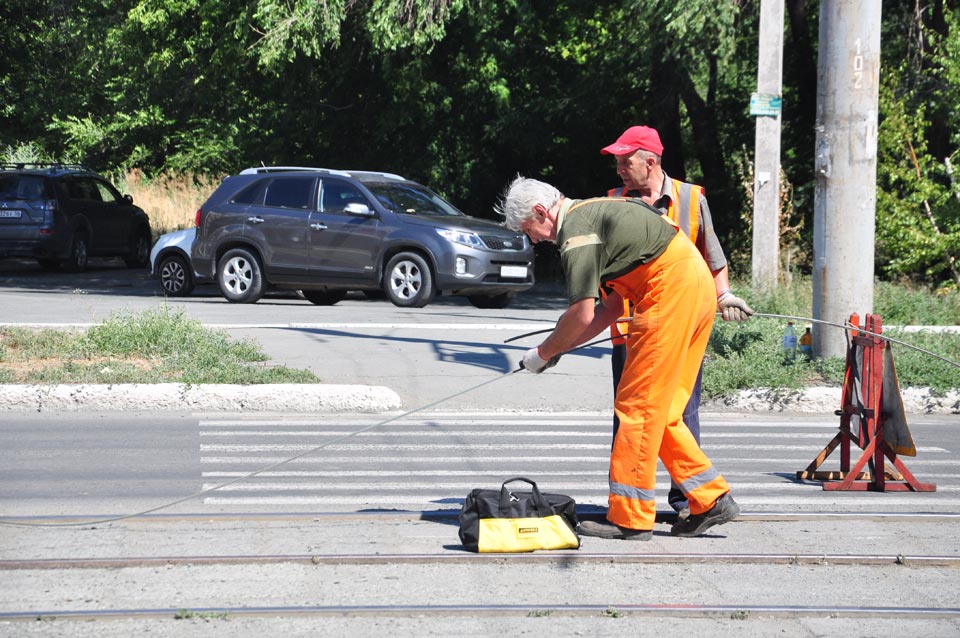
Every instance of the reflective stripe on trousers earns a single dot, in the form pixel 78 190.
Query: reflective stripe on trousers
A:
pixel 674 302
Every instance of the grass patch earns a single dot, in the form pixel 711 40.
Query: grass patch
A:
pixel 157 346
pixel 166 346
pixel 750 355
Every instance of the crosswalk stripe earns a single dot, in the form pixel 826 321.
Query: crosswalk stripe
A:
pixel 417 422
pixel 293 447
pixel 599 458
pixel 492 472
pixel 470 433
pixel 381 486
pixel 448 500
pixel 435 460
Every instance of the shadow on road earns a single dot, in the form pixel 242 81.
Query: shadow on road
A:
pixel 110 276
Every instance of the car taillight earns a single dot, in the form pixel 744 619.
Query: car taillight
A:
pixel 49 208
pixel 196 219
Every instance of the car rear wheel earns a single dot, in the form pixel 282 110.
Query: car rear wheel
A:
pixel 76 261
pixel 139 255
pixel 240 276
pixel 408 281
pixel 323 297
pixel 175 276
pixel 491 301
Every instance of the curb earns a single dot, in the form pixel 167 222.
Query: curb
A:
pixel 294 397
pixel 214 397
pixel 826 400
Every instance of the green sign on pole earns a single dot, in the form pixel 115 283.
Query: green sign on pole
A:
pixel 765 105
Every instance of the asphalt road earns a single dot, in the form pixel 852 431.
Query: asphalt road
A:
pixel 358 537
pixel 122 463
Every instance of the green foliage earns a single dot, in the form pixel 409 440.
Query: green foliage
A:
pixel 750 355
pixel 918 201
pixel 918 368
pixel 918 216
pixel 24 152
pixel 913 305
pixel 302 26
pixel 464 94
pixel 156 346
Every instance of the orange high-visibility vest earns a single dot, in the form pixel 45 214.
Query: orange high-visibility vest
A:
pixel 684 211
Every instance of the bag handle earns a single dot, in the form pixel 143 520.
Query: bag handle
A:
pixel 542 508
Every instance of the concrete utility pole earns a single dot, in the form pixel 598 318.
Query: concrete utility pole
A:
pixel 765 106
pixel 844 211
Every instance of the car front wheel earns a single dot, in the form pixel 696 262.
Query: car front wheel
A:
pixel 408 281
pixel 240 276
pixel 175 276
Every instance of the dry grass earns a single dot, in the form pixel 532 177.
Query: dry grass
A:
pixel 171 201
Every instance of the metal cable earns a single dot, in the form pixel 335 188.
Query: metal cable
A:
pixel 845 326
pixel 263 469
pixel 849 326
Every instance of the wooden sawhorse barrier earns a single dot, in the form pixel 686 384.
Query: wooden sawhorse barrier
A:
pixel 862 401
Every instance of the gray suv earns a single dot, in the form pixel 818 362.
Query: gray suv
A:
pixel 326 232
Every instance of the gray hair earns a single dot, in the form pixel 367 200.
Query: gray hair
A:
pixel 645 154
pixel 519 198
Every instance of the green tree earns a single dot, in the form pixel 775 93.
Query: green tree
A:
pixel 918 202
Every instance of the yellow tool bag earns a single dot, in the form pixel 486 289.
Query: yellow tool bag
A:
pixel 511 521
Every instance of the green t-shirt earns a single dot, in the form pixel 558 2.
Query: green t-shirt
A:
pixel 602 239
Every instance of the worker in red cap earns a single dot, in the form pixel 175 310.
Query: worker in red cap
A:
pixel 629 250
pixel 638 151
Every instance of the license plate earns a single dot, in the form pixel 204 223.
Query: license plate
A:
pixel 14 214
pixel 513 272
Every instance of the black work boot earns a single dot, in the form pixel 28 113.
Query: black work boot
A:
pixel 723 511
pixel 609 530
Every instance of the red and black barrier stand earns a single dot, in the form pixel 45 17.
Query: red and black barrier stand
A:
pixel 863 407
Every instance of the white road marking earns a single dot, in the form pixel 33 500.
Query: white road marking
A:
pixel 381 486
pixel 392 500
pixel 496 445
pixel 343 447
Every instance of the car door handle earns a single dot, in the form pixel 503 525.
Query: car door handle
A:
pixel 255 220
pixel 318 226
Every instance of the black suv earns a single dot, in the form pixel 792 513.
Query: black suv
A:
pixel 61 214
pixel 326 232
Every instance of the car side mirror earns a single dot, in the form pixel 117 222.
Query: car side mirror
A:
pixel 356 208
pixel 128 199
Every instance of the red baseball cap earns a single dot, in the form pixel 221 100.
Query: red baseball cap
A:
pixel 634 139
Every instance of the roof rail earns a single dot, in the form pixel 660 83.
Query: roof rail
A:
pixel 345 173
pixel 379 173
pixel 282 169
pixel 19 166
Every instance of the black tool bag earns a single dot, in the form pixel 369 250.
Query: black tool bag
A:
pixel 512 521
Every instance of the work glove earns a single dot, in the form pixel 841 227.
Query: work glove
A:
pixel 732 307
pixel 533 362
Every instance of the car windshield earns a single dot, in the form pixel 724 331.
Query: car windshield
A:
pixel 412 199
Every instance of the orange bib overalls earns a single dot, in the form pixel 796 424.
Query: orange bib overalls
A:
pixel 674 304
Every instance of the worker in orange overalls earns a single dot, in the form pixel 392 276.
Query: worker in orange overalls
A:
pixel 633 253
pixel 638 152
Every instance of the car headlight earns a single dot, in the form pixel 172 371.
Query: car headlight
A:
pixel 461 237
